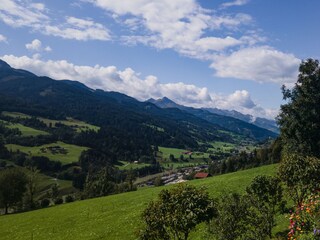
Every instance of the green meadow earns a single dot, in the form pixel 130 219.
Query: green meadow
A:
pixel 113 217
pixel 69 153
pixel 123 165
pixel 25 131
pixel 76 124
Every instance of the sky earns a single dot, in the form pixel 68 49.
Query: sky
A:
pixel 227 54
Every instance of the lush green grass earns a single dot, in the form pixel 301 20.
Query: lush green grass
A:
pixel 127 166
pixel 198 158
pixel 113 217
pixel 176 152
pixel 16 115
pixel 25 131
pixel 72 155
pixel 222 146
pixel 78 125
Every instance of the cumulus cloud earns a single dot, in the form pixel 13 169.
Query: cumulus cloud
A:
pixel 199 33
pixel 36 46
pixel 262 64
pixel 183 31
pixel 3 38
pixel 129 82
pixel 24 13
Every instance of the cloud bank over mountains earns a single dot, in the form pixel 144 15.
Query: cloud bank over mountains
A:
pixel 131 83
pixel 231 43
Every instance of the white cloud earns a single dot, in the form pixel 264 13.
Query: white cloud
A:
pixel 36 45
pixel 183 31
pixel 200 33
pixel 3 38
pixel 22 13
pixel 217 44
pixel 262 64
pixel 38 6
pixel 129 82
pixel 25 13
pixel 79 29
pixel 234 3
pixel 48 49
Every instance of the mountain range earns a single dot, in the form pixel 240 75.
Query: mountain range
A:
pixel 121 116
pixel 260 122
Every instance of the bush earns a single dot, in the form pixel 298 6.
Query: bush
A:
pixel 58 201
pixel 304 221
pixel 176 213
pixel 45 203
pixel 69 199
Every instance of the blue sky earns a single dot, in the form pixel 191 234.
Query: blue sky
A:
pixel 230 54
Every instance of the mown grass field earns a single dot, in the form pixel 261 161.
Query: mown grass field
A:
pixel 176 152
pixel 198 158
pixel 76 124
pixel 112 217
pixel 72 155
pixel 25 131
pixel 123 165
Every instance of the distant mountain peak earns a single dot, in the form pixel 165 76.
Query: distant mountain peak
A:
pixel 3 64
pixel 164 102
pixel 167 100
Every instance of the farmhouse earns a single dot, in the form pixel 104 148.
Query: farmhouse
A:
pixel 200 175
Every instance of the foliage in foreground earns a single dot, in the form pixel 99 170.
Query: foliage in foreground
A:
pixel 300 174
pixel 12 187
pixel 176 213
pixel 299 119
pixel 305 220
pixel 248 216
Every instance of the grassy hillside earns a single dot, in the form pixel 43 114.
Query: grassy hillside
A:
pixel 67 153
pixel 25 131
pixel 76 124
pixel 113 217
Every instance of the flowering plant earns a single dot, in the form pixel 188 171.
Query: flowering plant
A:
pixel 306 219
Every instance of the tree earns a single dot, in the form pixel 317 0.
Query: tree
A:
pixel 300 174
pixel 12 187
pixel 299 118
pixel 130 178
pixel 265 194
pixel 32 185
pixel 231 221
pixel 158 181
pixel 176 213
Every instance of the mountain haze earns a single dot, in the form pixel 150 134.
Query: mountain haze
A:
pixel 257 121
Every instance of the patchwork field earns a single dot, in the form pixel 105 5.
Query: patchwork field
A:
pixel 76 124
pixel 59 151
pixel 25 131
pixel 113 217
pixel 127 165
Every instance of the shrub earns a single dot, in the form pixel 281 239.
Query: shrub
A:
pixel 176 213
pixel 45 203
pixel 58 201
pixel 69 199
pixel 305 220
